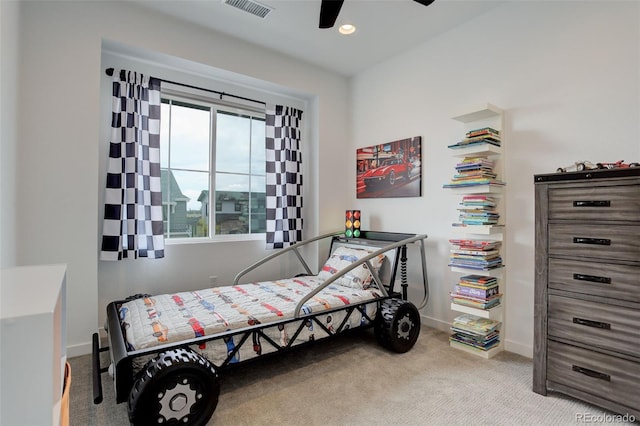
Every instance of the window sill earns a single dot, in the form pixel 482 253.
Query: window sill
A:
pixel 216 239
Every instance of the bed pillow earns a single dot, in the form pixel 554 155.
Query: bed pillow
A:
pixel 359 277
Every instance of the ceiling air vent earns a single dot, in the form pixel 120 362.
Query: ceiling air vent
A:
pixel 250 6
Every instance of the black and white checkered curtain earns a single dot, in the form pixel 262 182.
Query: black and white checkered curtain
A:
pixel 284 176
pixel 132 224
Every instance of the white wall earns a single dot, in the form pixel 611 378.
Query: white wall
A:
pixel 59 148
pixel 188 266
pixel 566 72
pixel 568 76
pixel 9 21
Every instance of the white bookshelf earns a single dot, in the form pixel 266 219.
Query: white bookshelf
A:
pixel 483 149
pixel 494 313
pixel 484 354
pixel 495 230
pixel 481 113
pixel 496 272
pixel 33 339
pixel 478 189
pixel 486 115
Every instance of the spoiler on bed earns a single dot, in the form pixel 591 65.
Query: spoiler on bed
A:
pixel 166 351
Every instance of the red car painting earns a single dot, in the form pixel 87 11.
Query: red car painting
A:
pixel 388 173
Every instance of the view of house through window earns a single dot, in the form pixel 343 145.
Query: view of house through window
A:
pixel 203 146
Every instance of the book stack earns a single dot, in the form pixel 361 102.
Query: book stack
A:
pixel 478 334
pixel 478 210
pixel 479 136
pixel 477 291
pixel 474 171
pixel 475 254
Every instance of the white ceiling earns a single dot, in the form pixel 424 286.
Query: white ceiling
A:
pixel 384 27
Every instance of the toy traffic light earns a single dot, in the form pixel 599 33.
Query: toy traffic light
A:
pixel 352 223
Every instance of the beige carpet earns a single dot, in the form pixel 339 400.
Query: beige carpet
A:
pixel 353 381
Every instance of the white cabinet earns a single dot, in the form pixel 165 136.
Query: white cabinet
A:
pixel 477 255
pixel 33 344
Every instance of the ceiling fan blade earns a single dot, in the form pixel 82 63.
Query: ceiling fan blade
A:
pixel 329 10
pixel 424 2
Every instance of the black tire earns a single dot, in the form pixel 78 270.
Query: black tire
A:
pixel 137 296
pixel 392 178
pixel 397 325
pixel 178 387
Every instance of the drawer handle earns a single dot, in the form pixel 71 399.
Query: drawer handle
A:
pixel 592 203
pixel 591 373
pixel 590 323
pixel 596 241
pixel 592 278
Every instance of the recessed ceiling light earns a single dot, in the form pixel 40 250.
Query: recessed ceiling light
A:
pixel 347 29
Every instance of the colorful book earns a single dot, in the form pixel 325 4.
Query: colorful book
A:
pixel 479 293
pixel 483 131
pixel 475 325
pixel 475 244
pixel 483 253
pixel 474 304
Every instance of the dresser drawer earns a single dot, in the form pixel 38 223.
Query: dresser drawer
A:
pixel 620 242
pixel 620 203
pixel 596 324
pixel 595 373
pixel 598 279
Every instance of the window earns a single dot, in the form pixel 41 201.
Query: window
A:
pixel 207 145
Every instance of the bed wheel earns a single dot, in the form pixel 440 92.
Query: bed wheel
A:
pixel 177 387
pixel 397 325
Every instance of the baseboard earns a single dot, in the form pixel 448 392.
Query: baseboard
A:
pixel 509 345
pixel 436 323
pixel 82 348
pixel 78 350
pixel 518 348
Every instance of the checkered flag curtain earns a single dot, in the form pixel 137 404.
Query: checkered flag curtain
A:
pixel 133 224
pixel 284 176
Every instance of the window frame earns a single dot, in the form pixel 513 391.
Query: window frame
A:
pixel 215 104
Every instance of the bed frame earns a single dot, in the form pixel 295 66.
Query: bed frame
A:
pixel 179 386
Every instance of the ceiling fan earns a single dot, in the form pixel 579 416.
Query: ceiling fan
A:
pixel 329 10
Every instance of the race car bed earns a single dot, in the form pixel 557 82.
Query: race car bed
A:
pixel 167 350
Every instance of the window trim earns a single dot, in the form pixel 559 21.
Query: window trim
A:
pixel 214 104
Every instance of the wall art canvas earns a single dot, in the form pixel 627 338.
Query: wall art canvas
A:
pixel 389 170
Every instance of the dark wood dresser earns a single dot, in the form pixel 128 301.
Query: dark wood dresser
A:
pixel 587 287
